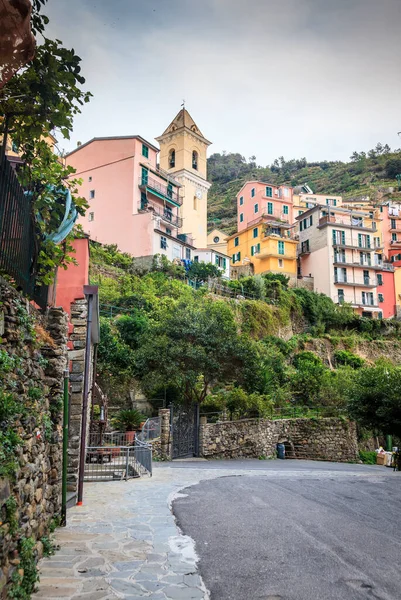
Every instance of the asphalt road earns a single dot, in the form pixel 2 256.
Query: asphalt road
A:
pixel 297 537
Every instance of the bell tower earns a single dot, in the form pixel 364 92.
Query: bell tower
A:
pixel 183 154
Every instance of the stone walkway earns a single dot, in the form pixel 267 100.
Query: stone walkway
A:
pixel 124 543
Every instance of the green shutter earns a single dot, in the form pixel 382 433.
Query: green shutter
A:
pixel 343 238
pixel 360 240
pixel 144 176
pixel 335 202
pixel 255 232
pixel 285 210
pixel 334 237
pixel 368 241
pixel 238 255
pixel 252 250
pixel 258 247
pixel 281 247
pixel 233 258
pixel 224 263
pixel 270 208
pixel 216 260
pixel 145 151
pixel 269 192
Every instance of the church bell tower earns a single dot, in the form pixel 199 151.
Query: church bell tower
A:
pixel 183 154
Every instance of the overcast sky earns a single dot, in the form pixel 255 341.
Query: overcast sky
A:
pixel 314 78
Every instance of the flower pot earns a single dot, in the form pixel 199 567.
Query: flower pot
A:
pixel 130 436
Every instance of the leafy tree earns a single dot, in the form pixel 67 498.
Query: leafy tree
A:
pixel 201 271
pixel 45 95
pixel 306 381
pixel 376 398
pixel 393 167
pixel 132 328
pixel 195 346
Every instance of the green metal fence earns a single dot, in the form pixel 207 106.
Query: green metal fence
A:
pixel 19 244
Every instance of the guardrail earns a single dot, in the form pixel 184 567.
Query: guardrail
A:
pixel 115 463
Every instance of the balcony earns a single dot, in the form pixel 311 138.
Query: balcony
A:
pixel 281 218
pixel 165 192
pixel 347 244
pixel 366 282
pixel 165 214
pixel 350 223
pixel 279 233
pixel 186 238
pixel 344 299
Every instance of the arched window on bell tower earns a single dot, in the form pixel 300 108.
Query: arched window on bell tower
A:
pixel 171 158
pixel 195 160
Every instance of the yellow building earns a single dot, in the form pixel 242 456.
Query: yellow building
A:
pixel 217 240
pixel 183 150
pixel 303 201
pixel 265 246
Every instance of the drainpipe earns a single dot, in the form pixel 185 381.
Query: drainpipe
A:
pixel 65 448
pixel 84 419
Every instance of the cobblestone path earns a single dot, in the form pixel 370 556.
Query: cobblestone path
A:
pixel 124 543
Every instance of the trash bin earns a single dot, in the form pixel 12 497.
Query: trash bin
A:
pixel 280 451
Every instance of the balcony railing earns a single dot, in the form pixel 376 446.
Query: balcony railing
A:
pixel 275 216
pixel 160 189
pixel 363 282
pixel 166 215
pixel 344 299
pixel 285 234
pixel 351 223
pixel 186 238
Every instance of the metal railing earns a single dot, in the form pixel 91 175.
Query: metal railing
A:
pixel 19 242
pixel 279 216
pixel 114 463
pixel 367 281
pixel 150 430
pixel 166 215
pixel 164 190
pixel 286 412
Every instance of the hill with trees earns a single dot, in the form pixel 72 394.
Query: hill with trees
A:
pixel 369 173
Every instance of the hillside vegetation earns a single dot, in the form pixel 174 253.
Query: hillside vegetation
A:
pixel 366 174
pixel 283 350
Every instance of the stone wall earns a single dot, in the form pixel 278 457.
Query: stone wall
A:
pixel 316 439
pixel 33 358
pixel 76 358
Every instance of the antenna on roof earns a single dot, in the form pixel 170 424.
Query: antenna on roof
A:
pixel 183 104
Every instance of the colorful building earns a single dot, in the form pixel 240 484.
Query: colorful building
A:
pixel 183 150
pixel 217 240
pixel 266 245
pixel 391 231
pixel 256 199
pixel 304 200
pixel 343 250
pixel 215 257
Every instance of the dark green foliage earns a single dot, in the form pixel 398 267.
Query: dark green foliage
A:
pixel 129 419
pixel 375 400
pixel 393 167
pixel 202 271
pixel 368 457
pixel 344 357
pixel 24 585
pixel 131 328
pixel 283 279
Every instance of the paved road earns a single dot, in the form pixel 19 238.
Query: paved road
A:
pixel 331 532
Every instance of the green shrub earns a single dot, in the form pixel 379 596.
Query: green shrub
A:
pixel 368 457
pixel 346 358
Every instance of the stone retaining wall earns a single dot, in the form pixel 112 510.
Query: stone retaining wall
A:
pixel 329 439
pixel 33 358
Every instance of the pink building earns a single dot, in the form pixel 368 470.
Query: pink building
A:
pixel 256 199
pixel 132 203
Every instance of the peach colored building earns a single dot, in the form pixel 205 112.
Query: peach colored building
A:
pixel 132 203
pixel 256 199
pixel 343 251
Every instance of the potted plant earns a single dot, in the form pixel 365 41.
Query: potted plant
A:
pixel 129 420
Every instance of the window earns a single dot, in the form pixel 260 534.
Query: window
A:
pixel 163 242
pixel 145 151
pixel 233 258
pixel 216 239
pixel 367 298
pixel 331 202
pixel 241 218
pixel 285 209
pixel 144 201
pixel 196 258
pixel 339 256
pixel 338 237
pixel 341 296
pixel 256 208
pixel 255 249
pixel 269 192
pixel 310 220
pixel 253 192
pixel 281 247
pixel 171 158
pixel 169 190
pixel 91 194
pixel 286 192
pixel 90 178
pixel 393 224
pixel 195 160
pixel 340 275
pixel 380 297
pixel 255 232
pixel 238 256
pixel 241 200
pixel 363 240
pixel 176 251
pixel 168 213
pixel 280 263
pixel 365 258
pixel 224 263
pixel 304 246
pixel 300 212
pixel 270 208
pixel 188 253
pixel 379 279
pixel 236 241
pixel 168 231
pixel 366 278
pixel 377 242
pixel 144 176
pixel 394 237
pixel 91 216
